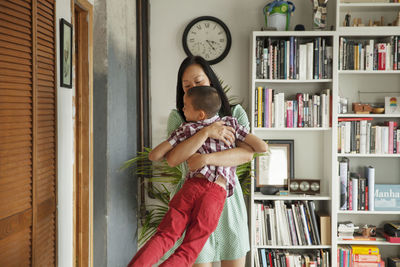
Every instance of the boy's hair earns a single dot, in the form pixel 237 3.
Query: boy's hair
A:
pixel 205 98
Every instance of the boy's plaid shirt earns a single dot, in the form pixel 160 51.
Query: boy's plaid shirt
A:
pixel 211 145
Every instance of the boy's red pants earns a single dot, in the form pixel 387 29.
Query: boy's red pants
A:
pixel 196 207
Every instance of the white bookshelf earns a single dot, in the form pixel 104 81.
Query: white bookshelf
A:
pixel 318 152
pixel 316 147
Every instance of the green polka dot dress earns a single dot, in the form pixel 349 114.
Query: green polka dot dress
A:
pixel 230 240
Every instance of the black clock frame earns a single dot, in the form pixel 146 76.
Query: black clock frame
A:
pixel 216 20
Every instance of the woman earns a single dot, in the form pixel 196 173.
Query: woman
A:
pixel 229 243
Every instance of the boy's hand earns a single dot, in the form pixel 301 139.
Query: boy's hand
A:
pixel 219 131
pixel 196 161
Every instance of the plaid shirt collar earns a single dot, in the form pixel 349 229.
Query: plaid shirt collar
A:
pixel 209 120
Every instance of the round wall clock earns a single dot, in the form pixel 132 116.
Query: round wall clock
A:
pixel 208 37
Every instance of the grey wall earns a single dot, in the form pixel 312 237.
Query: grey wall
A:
pixel 114 96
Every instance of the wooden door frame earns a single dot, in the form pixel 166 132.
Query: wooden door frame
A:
pixel 83 173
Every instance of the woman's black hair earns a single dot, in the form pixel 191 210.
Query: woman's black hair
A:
pixel 214 82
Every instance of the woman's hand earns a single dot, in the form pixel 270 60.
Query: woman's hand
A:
pixel 219 131
pixel 196 161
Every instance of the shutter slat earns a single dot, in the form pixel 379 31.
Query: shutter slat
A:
pixel 46 26
pixel 45 77
pixel 45 66
pixel 16 172
pixel 18 80
pixel 20 93
pixel 18 67
pixel 15 33
pixel 14 19
pixel 18 51
pixel 48 5
pixel 15 112
pixel 14 40
pixel 45 9
pixel 15 27
pixel 16 8
pixel 15 73
pixel 16 60
pixel 12 106
pixel 45 31
pixel 46 60
pixel 46 43
pixel 15 99
pixel 45 55
pixel 15 132
pixel 23 3
pixel 46 72
pixel 47 50
pixel 15 86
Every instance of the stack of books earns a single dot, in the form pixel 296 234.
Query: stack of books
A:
pixel 346 230
pixel 359 256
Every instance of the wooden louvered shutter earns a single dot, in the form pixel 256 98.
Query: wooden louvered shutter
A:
pixel 44 212
pixel 27 133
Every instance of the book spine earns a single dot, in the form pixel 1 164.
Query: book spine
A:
pixel 343 169
pixel 371 186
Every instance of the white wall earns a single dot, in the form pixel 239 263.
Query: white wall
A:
pixel 65 156
pixel 168 20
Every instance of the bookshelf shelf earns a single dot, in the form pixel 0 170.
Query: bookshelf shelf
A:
pixel 306 129
pixel 369 155
pixel 295 247
pixel 369 72
pixel 362 7
pixel 369 115
pixel 259 196
pixel 360 242
pixel 292 81
pixel 292 33
pixel 368 212
pixel 369 31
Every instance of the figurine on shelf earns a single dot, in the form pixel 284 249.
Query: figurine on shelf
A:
pixel 347 19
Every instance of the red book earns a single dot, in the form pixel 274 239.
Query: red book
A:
pixel 391 239
pixel 369 264
pixel 354 119
pixel 381 56
pixel 366 258
pixel 299 98
pixel 392 127
pixel 289 114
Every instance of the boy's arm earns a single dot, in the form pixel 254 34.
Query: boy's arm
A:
pixel 256 143
pixel 160 151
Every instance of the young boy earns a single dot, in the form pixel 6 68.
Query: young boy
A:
pixel 198 204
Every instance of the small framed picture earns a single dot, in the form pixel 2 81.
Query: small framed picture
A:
pixel 65 54
pixel 392 104
pixel 274 170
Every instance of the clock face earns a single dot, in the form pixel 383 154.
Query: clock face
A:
pixel 294 186
pixel 208 37
pixel 314 186
pixel 304 186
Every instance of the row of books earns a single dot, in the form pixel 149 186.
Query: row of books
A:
pixel 283 258
pixel 356 190
pixel 273 111
pixel 286 224
pixel 359 256
pixel 293 58
pixel 358 135
pixel 369 54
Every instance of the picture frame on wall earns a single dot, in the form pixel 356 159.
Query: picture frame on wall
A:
pixel 275 169
pixel 65 54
